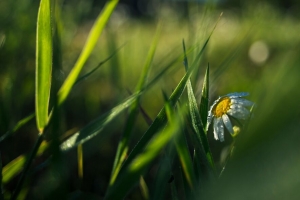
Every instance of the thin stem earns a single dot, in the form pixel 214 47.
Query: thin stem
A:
pixel 27 166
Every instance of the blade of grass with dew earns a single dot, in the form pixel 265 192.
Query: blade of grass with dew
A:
pixel 87 50
pixel 19 125
pixel 95 127
pixel 43 64
pixel 202 145
pixel 133 110
pixel 135 169
pixel 14 167
pixel 160 119
pixel 204 103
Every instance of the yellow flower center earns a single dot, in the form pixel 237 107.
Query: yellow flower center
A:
pixel 222 107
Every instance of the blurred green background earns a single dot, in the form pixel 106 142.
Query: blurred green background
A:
pixel 255 48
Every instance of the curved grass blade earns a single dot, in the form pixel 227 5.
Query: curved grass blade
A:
pixel 139 165
pixel 19 125
pixel 204 107
pixel 202 145
pixel 43 64
pixel 133 111
pixel 87 50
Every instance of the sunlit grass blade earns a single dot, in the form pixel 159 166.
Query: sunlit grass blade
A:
pixel 19 125
pixel 201 142
pixel 204 103
pixel 87 50
pixel 137 167
pixel 133 111
pixel 43 64
pixel 14 167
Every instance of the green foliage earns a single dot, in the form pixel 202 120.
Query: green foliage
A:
pixel 87 50
pixel 173 156
pixel 43 64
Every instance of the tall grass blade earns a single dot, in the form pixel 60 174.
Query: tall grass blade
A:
pixel 204 103
pixel 133 111
pixel 43 64
pixel 87 50
pixel 19 125
pixel 160 119
pixel 185 159
pixel 201 142
pixel 136 168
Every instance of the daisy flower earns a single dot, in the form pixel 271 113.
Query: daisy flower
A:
pixel 229 105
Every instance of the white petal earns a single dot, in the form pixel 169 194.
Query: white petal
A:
pixel 219 129
pixel 239 112
pixel 241 101
pixel 237 94
pixel 227 123
pixel 209 120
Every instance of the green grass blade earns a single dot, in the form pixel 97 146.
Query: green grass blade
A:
pixel 87 50
pixel 201 142
pixel 19 125
pixel 133 171
pixel 160 119
pixel 204 107
pixel 185 159
pixel 95 127
pixel 43 64
pixel 133 111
